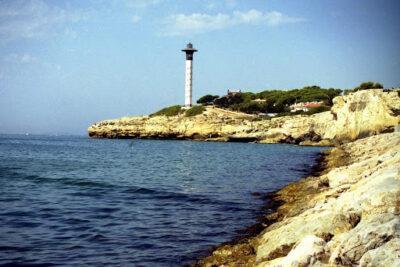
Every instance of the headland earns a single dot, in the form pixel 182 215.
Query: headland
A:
pixel 346 213
pixel 359 114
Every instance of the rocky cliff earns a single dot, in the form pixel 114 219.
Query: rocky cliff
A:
pixel 349 215
pixel 356 115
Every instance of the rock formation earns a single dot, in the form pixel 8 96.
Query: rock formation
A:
pixel 347 216
pixel 358 114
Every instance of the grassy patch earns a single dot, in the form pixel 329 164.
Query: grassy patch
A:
pixel 195 110
pixel 169 111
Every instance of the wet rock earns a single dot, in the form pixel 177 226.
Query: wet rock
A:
pixel 230 255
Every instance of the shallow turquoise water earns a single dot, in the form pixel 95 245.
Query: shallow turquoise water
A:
pixel 76 201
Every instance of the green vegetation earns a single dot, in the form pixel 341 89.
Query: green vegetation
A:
pixel 306 94
pixel 169 111
pixel 207 99
pixel 195 110
pixel 368 85
pixel 310 111
pixel 317 110
pixel 274 101
pixel 268 101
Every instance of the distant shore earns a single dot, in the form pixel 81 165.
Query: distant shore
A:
pixel 356 115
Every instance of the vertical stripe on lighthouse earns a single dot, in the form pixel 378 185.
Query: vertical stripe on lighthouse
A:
pixel 188 83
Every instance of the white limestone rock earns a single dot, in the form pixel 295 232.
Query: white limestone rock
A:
pixel 371 233
pixel 306 253
pixel 386 255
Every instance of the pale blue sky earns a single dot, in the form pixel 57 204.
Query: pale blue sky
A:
pixel 67 64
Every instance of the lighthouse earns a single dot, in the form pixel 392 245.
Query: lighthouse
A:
pixel 189 50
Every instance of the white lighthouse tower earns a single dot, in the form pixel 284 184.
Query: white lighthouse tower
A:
pixel 189 50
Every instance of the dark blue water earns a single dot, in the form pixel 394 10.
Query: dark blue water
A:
pixel 76 201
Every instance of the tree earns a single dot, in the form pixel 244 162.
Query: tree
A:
pixel 368 85
pixel 229 100
pixel 207 99
pixel 222 102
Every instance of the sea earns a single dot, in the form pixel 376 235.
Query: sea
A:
pixel 76 201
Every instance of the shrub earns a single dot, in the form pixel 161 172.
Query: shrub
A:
pixel 207 99
pixel 309 112
pixel 368 85
pixel 278 99
pixel 222 102
pixel 169 111
pixel 275 101
pixel 227 101
pixel 248 96
pixel 317 110
pixel 250 107
pixel 195 110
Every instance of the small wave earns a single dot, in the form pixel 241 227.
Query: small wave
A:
pixel 25 224
pixel 97 238
pixel 15 248
pixel 85 183
pixel 180 197
pixel 30 264
pixel 73 221
pixel 75 247
pixel 139 190
pixel 9 172
pixel 106 210
pixel 18 213
pixel 65 181
pixel 12 172
pixel 141 246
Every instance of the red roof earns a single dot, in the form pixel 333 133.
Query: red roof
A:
pixel 312 105
pixel 306 105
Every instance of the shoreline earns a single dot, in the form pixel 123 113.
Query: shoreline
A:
pixel 271 204
pixel 311 222
pixel 345 213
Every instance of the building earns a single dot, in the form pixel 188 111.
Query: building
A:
pixel 233 92
pixel 189 51
pixel 305 106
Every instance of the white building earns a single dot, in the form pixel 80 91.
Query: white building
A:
pixel 189 50
pixel 305 106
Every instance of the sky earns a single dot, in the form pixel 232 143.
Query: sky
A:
pixel 67 64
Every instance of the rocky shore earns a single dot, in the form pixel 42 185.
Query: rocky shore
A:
pixel 347 215
pixel 356 115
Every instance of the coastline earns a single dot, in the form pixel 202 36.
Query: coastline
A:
pixel 345 213
pixel 311 223
pixel 239 250
pixel 271 202
pixel 357 115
